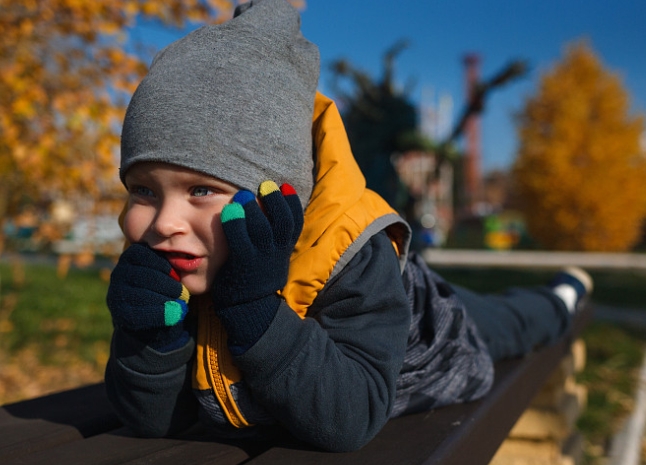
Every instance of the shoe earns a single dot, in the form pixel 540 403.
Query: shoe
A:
pixel 573 285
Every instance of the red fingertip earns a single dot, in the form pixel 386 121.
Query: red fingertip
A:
pixel 287 189
pixel 174 275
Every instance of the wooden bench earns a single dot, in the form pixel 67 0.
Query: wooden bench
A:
pixel 77 427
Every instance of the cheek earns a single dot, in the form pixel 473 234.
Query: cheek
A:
pixel 219 248
pixel 135 224
pixel 221 244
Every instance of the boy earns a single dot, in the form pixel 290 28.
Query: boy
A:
pixel 320 322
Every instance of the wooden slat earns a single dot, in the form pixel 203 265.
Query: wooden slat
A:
pixel 120 447
pixel 24 437
pixel 78 427
pixel 40 424
pixel 85 409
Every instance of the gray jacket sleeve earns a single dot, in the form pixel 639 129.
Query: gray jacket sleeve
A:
pixel 330 378
pixel 150 391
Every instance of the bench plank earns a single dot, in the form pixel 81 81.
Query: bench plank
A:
pixel 120 447
pixel 39 424
pixel 86 409
pixel 24 437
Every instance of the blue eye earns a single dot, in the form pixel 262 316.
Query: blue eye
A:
pixel 143 191
pixel 202 191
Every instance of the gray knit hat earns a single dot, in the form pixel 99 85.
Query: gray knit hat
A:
pixel 233 100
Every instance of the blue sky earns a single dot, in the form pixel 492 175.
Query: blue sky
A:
pixel 440 32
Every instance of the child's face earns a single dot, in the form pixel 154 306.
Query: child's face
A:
pixel 177 211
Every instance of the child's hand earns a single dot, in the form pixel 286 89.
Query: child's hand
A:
pixel 260 242
pixel 145 292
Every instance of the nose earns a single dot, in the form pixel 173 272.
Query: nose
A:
pixel 169 220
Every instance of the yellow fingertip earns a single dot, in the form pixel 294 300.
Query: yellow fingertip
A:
pixel 267 188
pixel 185 295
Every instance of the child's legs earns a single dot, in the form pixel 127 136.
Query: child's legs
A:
pixel 513 323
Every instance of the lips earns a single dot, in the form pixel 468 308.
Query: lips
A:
pixel 182 262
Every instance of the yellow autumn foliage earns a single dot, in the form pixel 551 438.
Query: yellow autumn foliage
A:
pixel 580 170
pixel 65 78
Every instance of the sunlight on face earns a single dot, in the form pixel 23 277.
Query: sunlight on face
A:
pixel 176 211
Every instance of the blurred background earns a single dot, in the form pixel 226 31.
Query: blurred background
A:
pixel 489 126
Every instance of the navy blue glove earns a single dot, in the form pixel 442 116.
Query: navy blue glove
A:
pixel 261 241
pixel 146 298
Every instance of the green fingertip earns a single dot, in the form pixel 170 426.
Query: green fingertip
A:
pixel 232 211
pixel 173 313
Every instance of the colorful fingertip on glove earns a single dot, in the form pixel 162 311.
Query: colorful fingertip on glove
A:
pixel 146 298
pixel 260 243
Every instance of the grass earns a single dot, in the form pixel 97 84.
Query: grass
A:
pixel 614 356
pixel 54 334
